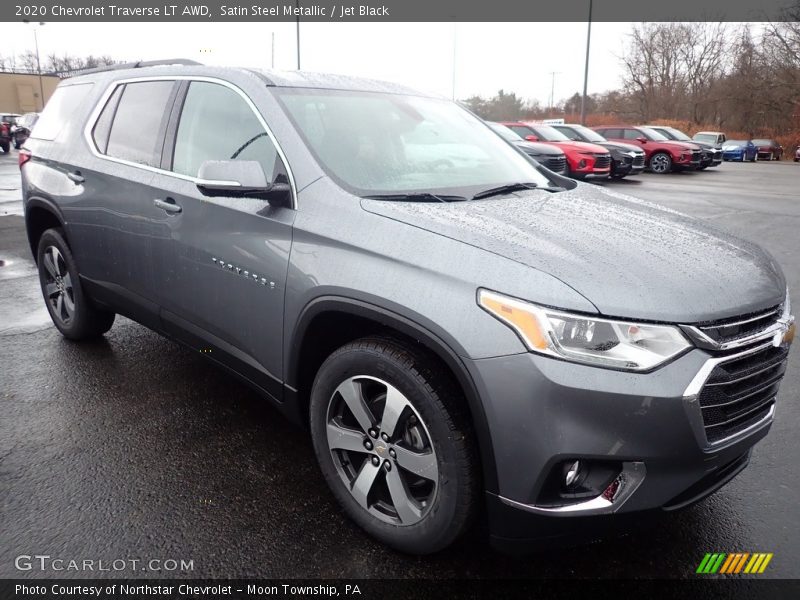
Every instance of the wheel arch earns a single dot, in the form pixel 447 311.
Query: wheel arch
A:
pixel 349 319
pixel 41 215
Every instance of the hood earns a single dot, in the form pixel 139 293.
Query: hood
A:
pixel 679 145
pixel 580 147
pixel 628 257
pixel 621 147
pixel 705 145
pixel 539 149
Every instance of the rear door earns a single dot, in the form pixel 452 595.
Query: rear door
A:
pixel 128 236
pixel 224 280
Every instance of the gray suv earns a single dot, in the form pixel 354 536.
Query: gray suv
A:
pixel 462 331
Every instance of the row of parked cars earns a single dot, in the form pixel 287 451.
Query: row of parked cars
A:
pixel 15 129
pixel 618 151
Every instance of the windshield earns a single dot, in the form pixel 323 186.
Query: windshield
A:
pixel 504 132
pixel 588 135
pixel 653 135
pixel 706 137
pixel 677 134
pixel 547 133
pixel 762 142
pixel 382 144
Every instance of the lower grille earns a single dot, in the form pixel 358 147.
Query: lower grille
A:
pixel 638 160
pixel 602 161
pixel 558 164
pixel 741 391
pixel 696 156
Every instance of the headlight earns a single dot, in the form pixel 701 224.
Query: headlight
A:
pixel 590 340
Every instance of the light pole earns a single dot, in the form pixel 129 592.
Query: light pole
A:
pixel 38 62
pixel 553 88
pixel 586 69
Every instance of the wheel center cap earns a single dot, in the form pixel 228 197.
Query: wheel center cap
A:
pixel 381 450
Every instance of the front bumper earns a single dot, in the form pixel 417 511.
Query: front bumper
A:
pixel 542 412
pixel 733 155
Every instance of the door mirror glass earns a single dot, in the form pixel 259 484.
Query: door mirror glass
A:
pixel 241 178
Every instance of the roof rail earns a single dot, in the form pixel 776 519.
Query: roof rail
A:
pixel 138 64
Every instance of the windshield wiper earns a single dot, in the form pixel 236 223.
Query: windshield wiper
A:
pixel 504 189
pixel 417 197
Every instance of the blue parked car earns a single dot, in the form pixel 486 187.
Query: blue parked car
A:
pixel 740 150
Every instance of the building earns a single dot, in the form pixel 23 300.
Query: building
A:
pixel 20 92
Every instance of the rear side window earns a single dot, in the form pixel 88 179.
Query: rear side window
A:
pixel 139 121
pixel 62 105
pixel 102 128
pixel 218 124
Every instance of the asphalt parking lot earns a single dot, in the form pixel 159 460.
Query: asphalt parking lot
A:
pixel 133 447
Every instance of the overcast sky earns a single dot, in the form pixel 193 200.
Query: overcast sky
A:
pixel 516 57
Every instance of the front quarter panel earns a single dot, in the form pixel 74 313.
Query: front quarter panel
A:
pixel 339 249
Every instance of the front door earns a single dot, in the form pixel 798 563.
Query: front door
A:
pixel 225 277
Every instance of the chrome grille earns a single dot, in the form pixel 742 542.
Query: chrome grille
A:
pixel 602 161
pixel 729 330
pixel 557 164
pixel 740 392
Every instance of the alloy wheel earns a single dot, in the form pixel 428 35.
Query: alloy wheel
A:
pixel 382 450
pixel 660 163
pixel 58 285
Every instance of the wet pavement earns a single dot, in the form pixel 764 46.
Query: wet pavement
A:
pixel 133 447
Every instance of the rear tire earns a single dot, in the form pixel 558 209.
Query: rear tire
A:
pixel 5 146
pixel 72 312
pixel 394 444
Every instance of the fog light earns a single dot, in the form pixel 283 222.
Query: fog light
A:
pixel 574 471
pixel 582 164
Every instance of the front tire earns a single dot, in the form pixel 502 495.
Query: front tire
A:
pixel 72 312
pixel 394 444
pixel 661 163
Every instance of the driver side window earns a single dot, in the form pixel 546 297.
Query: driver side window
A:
pixel 217 124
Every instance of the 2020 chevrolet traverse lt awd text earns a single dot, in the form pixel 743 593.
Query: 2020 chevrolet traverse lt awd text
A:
pixel 459 328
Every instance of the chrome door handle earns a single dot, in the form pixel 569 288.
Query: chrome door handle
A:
pixel 76 177
pixel 167 205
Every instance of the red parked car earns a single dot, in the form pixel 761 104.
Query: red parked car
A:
pixel 583 159
pixel 768 149
pixel 661 154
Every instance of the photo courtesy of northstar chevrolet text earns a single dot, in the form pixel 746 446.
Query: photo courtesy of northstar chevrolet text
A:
pixel 388 297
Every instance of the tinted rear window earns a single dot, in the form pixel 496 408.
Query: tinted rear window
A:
pixel 62 105
pixel 136 133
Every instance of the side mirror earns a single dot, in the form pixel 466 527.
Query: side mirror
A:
pixel 241 179
pixel 641 139
pixel 531 138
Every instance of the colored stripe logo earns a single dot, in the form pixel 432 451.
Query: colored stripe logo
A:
pixel 734 563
